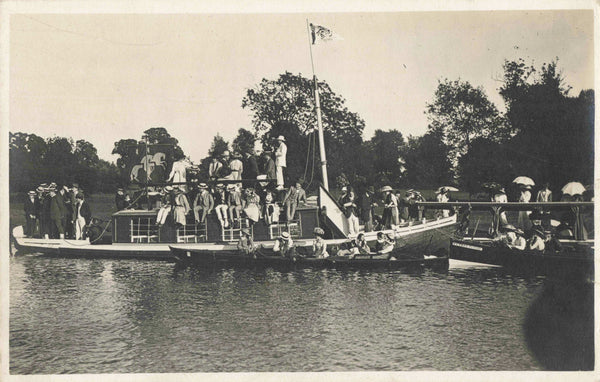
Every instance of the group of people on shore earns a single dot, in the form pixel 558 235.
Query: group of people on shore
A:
pixel 56 212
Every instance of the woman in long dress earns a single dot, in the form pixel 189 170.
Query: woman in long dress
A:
pixel 181 207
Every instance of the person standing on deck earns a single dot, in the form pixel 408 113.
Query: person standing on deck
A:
pixel 220 198
pixel 390 211
pixel 250 167
pixel 82 214
pixel 544 196
pixel 181 207
pixel 46 224
pixel 523 221
pixel 30 214
pixel 270 168
pixel 214 168
pixel 499 220
pixel 236 166
pixel 366 204
pixel 73 198
pixel 349 205
pixel 120 200
pixel 280 160
pixel 442 197
pixel 179 172
pixel 39 200
pixel 203 201
pixel 57 214
pixel 294 197
pixel 343 195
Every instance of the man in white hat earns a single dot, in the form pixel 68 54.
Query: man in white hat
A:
pixel 284 245
pixel 280 155
pixel 203 201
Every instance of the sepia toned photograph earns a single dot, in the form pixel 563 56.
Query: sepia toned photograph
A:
pixel 298 191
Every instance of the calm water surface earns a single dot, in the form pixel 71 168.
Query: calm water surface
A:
pixel 107 316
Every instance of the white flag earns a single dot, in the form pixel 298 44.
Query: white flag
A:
pixel 320 33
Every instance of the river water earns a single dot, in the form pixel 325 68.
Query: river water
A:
pixel 126 316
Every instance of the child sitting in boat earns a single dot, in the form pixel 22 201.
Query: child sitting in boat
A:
pixel 356 247
pixel 319 245
pixel 246 244
pixel 384 245
pixel 284 246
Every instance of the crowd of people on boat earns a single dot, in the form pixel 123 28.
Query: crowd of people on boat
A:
pixel 56 212
pixel 539 229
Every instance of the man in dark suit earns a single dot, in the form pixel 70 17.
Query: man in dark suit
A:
pixel 83 216
pixel 57 214
pixel 250 167
pixel 30 214
pixel 72 197
pixel 365 204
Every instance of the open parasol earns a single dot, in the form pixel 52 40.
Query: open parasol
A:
pixel 449 188
pixel 573 188
pixel 524 180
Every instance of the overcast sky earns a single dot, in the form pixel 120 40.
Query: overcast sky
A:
pixel 107 77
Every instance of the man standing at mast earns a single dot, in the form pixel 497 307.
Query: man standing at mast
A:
pixel 280 155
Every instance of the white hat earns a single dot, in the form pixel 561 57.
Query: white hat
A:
pixel 285 235
pixel 281 138
pixel 386 188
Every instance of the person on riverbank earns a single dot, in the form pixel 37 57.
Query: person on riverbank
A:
pixel 204 202
pixel 349 205
pixel 355 247
pixel 319 244
pixel 83 216
pixel 280 160
pixel 29 208
pixel 284 245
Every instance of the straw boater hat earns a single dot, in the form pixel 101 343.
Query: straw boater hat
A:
pixel 225 153
pixel 75 185
pixel 168 188
pixel 281 138
pixel 40 189
pixel 231 186
pixel 202 186
pixel 220 185
pixel 386 189
pixel 31 193
pixel 319 231
pixel 285 235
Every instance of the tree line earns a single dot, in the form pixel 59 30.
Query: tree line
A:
pixel 545 133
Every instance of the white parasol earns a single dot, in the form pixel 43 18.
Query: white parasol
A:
pixel 573 188
pixel 449 188
pixel 524 180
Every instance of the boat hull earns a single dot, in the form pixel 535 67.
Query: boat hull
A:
pixel 575 261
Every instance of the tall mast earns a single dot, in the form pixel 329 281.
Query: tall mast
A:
pixel 318 111
pixel 321 139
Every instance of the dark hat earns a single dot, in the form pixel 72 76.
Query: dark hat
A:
pixel 539 232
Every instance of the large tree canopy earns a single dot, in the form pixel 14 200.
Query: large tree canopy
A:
pixel 462 113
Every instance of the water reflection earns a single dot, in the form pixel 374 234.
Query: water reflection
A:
pixel 103 316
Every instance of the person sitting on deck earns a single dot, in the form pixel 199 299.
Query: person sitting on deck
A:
pixel 246 244
pixel 356 247
pixel 294 197
pixel 235 203
pixel 214 168
pixel 271 212
pixel 181 207
pixel 221 205
pixel 203 202
pixel 319 245
pixel 120 199
pixel 165 206
pixel 251 205
pixel 284 246
pixel 384 245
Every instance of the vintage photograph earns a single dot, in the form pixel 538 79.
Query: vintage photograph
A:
pixel 291 192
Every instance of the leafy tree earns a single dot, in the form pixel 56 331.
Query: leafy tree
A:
pixel 244 141
pixel 427 162
pixel 386 151
pixel 486 161
pixel 287 103
pixel 218 146
pixel 554 132
pixel 462 113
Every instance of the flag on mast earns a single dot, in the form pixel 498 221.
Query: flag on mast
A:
pixel 320 33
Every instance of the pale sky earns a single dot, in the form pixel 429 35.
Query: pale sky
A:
pixel 107 77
